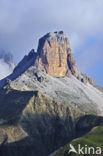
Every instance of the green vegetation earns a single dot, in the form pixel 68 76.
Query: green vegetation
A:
pixel 92 139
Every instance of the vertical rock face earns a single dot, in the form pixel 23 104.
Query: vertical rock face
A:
pixel 55 55
pixel 72 68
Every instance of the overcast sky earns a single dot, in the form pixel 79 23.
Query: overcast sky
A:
pixel 23 22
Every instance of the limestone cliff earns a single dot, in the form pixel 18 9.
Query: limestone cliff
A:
pixel 55 55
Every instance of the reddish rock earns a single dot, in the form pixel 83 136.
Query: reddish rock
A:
pixel 55 55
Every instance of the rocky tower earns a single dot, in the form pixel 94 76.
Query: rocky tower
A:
pixel 55 55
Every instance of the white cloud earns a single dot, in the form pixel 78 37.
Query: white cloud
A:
pixel 75 41
pixel 4 69
pixel 83 17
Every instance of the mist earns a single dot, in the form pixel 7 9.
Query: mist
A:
pixel 4 69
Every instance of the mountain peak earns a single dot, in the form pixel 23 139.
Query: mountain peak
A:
pixel 57 36
pixel 55 55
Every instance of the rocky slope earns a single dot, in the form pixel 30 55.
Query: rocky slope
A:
pixel 46 100
pixel 34 121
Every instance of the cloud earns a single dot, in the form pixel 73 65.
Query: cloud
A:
pixel 4 69
pixel 75 41
pixel 23 22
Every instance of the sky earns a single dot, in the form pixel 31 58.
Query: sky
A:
pixel 22 23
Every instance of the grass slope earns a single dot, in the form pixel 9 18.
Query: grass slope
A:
pixel 92 139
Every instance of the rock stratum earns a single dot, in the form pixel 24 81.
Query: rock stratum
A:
pixel 46 102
